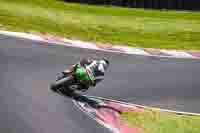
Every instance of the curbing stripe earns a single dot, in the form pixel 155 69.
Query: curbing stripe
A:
pixel 111 129
pixel 196 54
pixel 146 107
pixel 178 54
pixel 22 35
pixel 51 39
pixel 156 52
pixel 81 44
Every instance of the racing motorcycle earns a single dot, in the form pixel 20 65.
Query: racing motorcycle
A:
pixel 81 76
pixel 73 81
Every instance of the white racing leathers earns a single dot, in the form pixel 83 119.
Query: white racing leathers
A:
pixel 96 70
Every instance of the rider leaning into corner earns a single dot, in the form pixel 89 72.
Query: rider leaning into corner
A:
pixel 90 72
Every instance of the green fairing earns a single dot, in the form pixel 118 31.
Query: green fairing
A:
pixel 82 75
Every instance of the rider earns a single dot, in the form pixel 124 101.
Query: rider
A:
pixel 90 72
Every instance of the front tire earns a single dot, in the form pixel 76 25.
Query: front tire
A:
pixel 62 83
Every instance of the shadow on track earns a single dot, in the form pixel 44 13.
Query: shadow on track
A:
pixel 84 99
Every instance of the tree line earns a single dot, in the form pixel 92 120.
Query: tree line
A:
pixel 151 4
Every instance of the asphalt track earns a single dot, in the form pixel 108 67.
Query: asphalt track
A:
pixel 27 68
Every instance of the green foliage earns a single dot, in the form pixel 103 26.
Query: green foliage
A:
pixel 161 122
pixel 133 27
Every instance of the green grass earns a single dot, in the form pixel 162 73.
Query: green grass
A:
pixel 133 27
pixel 162 122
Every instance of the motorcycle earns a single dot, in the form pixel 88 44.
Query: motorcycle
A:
pixel 72 82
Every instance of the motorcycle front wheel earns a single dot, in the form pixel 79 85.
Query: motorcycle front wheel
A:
pixel 62 83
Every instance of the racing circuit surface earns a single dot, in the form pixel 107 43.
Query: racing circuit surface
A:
pixel 28 105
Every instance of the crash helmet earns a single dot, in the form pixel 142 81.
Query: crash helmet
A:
pixel 86 61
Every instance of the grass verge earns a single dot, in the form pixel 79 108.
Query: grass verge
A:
pixel 162 122
pixel 132 27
